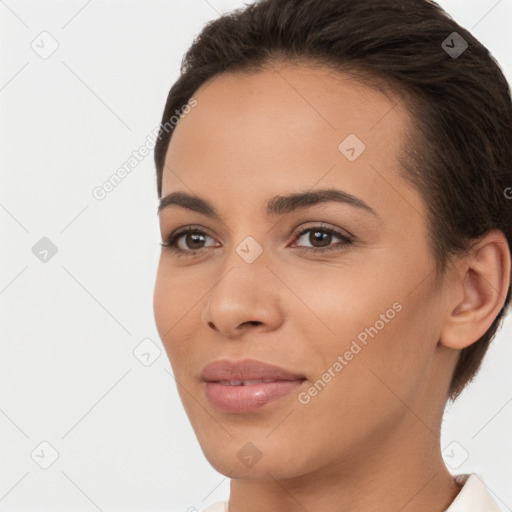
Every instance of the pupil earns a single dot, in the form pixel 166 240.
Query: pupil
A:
pixel 194 238
pixel 321 235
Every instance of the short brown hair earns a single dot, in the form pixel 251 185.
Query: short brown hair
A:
pixel 459 154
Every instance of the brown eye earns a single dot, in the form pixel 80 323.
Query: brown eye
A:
pixel 321 238
pixel 192 240
pixel 186 241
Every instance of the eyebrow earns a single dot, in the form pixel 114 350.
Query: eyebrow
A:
pixel 278 205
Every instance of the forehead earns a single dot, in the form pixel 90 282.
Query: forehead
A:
pixel 283 129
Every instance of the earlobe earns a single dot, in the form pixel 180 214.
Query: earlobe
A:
pixel 483 282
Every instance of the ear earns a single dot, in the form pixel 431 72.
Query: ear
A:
pixel 479 291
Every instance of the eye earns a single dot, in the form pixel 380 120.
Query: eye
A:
pixel 323 235
pixel 194 239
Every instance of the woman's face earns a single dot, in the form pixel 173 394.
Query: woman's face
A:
pixel 360 322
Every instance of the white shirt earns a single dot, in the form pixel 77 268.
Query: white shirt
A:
pixel 473 497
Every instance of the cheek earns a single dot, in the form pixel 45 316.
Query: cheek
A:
pixel 358 396
pixel 371 317
pixel 178 300
pixel 171 306
pixel 161 306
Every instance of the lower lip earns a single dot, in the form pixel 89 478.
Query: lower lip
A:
pixel 240 399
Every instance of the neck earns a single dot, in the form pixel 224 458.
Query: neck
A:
pixel 396 472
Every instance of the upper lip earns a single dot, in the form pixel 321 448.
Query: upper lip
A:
pixel 247 369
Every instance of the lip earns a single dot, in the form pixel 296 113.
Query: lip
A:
pixel 246 369
pixel 244 399
pixel 241 397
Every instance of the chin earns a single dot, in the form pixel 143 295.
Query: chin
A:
pixel 254 461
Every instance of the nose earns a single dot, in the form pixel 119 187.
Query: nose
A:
pixel 245 298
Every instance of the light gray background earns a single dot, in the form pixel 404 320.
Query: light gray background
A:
pixel 69 326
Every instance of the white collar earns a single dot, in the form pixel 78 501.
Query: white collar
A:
pixel 474 496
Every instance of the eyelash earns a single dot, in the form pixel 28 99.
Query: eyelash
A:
pixel 170 243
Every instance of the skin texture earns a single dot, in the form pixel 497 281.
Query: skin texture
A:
pixel 369 440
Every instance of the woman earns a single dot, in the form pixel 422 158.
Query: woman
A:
pixel 336 249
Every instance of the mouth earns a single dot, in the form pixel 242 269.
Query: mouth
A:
pixel 246 382
pixel 247 385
